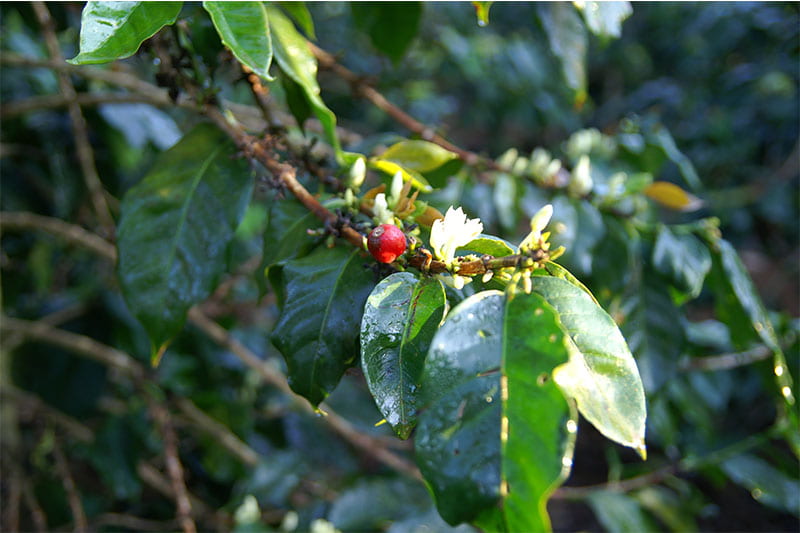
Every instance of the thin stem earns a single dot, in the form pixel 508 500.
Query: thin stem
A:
pixel 55 101
pixel 79 126
pixel 73 498
pixel 174 467
pixel 69 232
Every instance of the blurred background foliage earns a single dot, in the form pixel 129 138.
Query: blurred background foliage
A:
pixel 711 90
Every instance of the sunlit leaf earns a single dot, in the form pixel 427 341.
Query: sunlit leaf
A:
pixel 605 19
pixel 671 196
pixel 295 58
pixel 421 156
pixel 114 30
pixel 601 374
pixel 493 439
pixel 243 27
pixel 683 259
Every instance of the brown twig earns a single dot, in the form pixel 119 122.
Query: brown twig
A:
pixel 131 522
pixel 55 101
pixel 73 498
pixel 26 401
pixel 173 463
pixel 37 513
pixel 361 88
pixel 11 508
pixel 627 485
pixel 260 95
pixel 69 232
pixel 726 361
pixel 79 126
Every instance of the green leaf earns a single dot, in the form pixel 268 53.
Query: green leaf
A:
pixel 739 306
pixel 401 316
pixel 420 156
pixel 299 12
pixel 244 28
pixel 601 374
pixel 506 200
pixel 114 30
pixel 557 271
pixel 619 513
pixel 391 26
pixel 296 100
pixel 489 245
pixel 654 330
pixel 494 439
pixel 766 484
pixel 317 331
pixel 579 227
pixel 286 235
pixel 683 259
pixel 391 168
pixel 295 58
pixel 568 42
pixel 605 19
pixel 175 227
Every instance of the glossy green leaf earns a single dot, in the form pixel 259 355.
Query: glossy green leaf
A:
pixel 601 374
pixel 317 331
pixel 668 506
pixel 568 42
pixel 295 58
pixel 114 30
pixel 766 484
pixel 605 19
pixel 619 513
pixel 175 227
pixel 391 168
pixel 506 200
pixel 494 439
pixel 557 271
pixel 286 235
pixel 391 26
pixel 299 12
pixel 296 100
pixel 489 245
pixel 579 227
pixel 244 28
pixel 683 259
pixel 421 156
pixel 401 316
pixel 739 306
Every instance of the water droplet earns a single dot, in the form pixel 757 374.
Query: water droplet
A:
pixel 488 399
pixel 756 493
pixel 779 370
pixel 786 391
pixel 538 311
pixel 552 338
pixel 572 426
pixel 481 23
pixel 567 462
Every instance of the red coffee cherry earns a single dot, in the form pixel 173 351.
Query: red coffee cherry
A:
pixel 386 243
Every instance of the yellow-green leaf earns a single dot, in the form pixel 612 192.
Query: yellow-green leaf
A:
pixel 671 196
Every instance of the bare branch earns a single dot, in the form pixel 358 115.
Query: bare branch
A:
pixel 69 232
pixel 132 522
pixel 29 402
pixel 56 101
pixel 174 467
pixel 79 127
pixel 37 513
pixel 73 498
pixel 727 360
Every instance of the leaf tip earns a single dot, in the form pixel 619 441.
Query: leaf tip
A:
pixel 157 353
pixel 641 449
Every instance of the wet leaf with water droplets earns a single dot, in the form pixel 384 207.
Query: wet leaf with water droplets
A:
pixel 493 440
pixel 400 318
pixel 175 227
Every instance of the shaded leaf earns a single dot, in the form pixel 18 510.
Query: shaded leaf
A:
pixel 175 227
pixel 244 28
pixel 605 19
pixel 683 259
pixel 766 484
pixel 492 441
pixel 295 58
pixel 619 513
pixel 579 227
pixel 401 316
pixel 601 374
pixel 317 331
pixel 391 26
pixel 671 196
pixel 114 30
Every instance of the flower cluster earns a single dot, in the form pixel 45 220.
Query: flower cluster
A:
pixel 450 233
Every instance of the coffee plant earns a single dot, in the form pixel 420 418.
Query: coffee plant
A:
pixel 229 307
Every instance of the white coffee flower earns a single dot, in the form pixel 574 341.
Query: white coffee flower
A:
pixel 453 231
pixel 383 215
pixel 395 189
pixel 539 221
